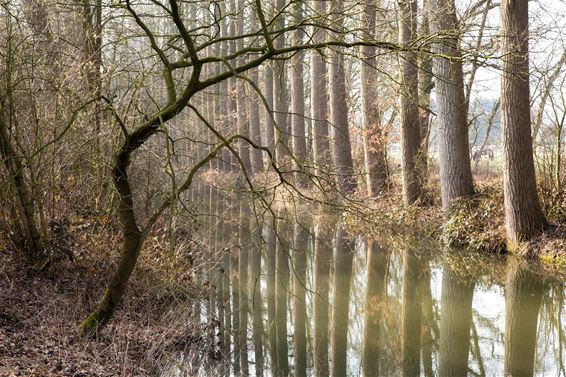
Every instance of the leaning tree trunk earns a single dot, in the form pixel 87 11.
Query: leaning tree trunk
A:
pixel 409 105
pixel 523 215
pixel 133 240
pixel 374 140
pixel 454 157
pixel 345 175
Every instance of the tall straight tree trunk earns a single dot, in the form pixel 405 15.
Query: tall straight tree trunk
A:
pixel 298 99
pixel 280 95
pixel 409 105
pixel 344 165
pixel 319 100
pixel 343 259
pixel 375 142
pixel 523 297
pixel 255 127
pixel 523 215
pixel 425 88
pixel 269 123
pixel 241 98
pixel 454 156
pixel 300 243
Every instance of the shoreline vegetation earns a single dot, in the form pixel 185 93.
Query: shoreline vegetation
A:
pixel 40 313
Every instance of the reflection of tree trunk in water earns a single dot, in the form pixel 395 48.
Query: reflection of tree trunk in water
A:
pixel 271 332
pixel 234 267
pixel 300 313
pixel 523 298
pixel 243 280
pixel 322 258
pixel 455 323
pixel 376 264
pixel 342 277
pixel 226 292
pixel 411 314
pixel 257 321
pixel 282 288
pixel 428 321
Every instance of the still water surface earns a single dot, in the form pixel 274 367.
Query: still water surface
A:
pixel 305 298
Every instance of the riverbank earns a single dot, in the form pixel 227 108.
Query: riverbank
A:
pixel 40 313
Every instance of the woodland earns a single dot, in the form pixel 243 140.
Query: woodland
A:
pixel 147 146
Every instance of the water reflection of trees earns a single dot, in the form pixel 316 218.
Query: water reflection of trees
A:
pixel 300 300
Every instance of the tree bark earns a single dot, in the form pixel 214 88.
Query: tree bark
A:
pixel 280 94
pixel 243 266
pixel 24 208
pixel 523 215
pixel 409 105
pixel 281 304
pixel 319 101
pixel 342 151
pixel 454 156
pixel 298 100
pixel 256 155
pixel 375 142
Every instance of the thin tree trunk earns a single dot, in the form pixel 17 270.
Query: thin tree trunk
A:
pixel 270 248
pixel 255 127
pixel 425 88
pixel 319 101
pixel 298 99
pixel 523 215
pixel 280 95
pixel 30 234
pixel 454 156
